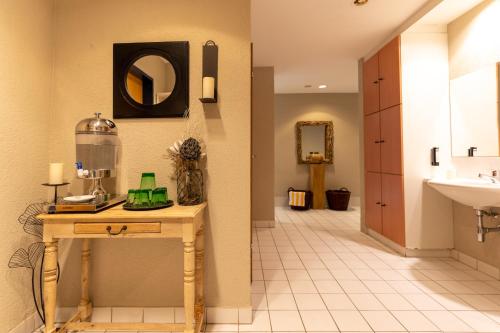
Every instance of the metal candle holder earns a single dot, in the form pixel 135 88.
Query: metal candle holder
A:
pixel 210 66
pixel 55 186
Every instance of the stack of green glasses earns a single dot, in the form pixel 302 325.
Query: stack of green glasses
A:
pixel 148 196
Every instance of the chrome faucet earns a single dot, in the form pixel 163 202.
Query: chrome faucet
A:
pixel 493 178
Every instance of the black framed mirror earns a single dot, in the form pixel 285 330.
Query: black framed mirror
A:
pixel 150 80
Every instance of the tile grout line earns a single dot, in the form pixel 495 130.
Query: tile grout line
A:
pixel 264 283
pixel 345 292
pixel 293 294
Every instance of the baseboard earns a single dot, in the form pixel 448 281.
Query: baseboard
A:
pixel 472 262
pixel 264 223
pixel 213 315
pixel 434 253
pixel 477 264
pixel 28 325
pixel 386 241
pixel 221 315
pixel 281 201
pixel 417 253
pixel 355 201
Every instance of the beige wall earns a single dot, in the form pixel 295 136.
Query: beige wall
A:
pixel 342 110
pixel 25 67
pixel 263 144
pixel 149 273
pixel 473 42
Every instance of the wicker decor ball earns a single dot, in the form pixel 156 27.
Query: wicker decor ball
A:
pixel 190 150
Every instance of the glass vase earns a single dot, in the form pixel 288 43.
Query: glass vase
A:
pixel 189 183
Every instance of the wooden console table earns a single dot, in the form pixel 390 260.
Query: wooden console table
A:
pixel 182 222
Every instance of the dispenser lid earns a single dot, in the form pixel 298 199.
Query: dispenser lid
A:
pixel 96 125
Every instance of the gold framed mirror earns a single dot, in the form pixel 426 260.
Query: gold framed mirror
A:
pixel 314 141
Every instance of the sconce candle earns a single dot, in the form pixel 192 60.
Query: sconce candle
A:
pixel 208 87
pixel 56 173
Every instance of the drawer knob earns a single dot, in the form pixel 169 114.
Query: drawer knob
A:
pixel 108 229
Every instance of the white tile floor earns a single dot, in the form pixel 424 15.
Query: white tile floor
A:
pixel 315 272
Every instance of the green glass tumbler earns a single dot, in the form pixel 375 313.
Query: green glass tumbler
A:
pixel 148 181
pixel 131 196
pixel 160 196
pixel 137 199
pixel 141 198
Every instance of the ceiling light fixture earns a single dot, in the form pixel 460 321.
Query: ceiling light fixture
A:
pixel 322 86
pixel 360 2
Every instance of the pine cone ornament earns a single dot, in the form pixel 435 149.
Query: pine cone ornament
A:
pixel 190 150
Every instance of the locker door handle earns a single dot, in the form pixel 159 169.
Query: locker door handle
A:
pixel 383 205
pixel 377 203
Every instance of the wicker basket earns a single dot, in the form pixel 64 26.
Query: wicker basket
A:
pixel 308 199
pixel 338 199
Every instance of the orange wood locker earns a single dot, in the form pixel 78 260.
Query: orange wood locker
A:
pixel 371 86
pixel 372 142
pixel 393 212
pixel 391 137
pixel 390 74
pixel 373 201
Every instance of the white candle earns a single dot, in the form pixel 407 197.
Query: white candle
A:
pixel 56 173
pixel 208 87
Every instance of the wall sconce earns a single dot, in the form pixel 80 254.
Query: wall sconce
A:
pixel 210 69
pixel 471 151
pixel 435 156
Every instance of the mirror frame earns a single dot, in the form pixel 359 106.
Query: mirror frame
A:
pixel 328 140
pixel 126 54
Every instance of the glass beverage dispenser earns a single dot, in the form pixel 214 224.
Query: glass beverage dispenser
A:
pixel 96 152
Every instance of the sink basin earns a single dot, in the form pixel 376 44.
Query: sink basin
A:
pixel 478 193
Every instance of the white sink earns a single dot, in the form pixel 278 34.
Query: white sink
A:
pixel 478 193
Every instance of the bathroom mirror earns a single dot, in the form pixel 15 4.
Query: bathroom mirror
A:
pixel 474 105
pixel 314 141
pixel 150 80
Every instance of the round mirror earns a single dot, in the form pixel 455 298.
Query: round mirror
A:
pixel 150 80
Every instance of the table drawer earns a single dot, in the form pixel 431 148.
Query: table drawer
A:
pixel 118 228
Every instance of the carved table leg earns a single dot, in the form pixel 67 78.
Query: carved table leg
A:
pixel 200 253
pixel 50 285
pixel 189 288
pixel 85 306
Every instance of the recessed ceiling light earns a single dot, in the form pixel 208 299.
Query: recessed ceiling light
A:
pixel 322 86
pixel 360 2
pixel 307 86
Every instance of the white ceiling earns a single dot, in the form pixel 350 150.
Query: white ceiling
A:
pixel 320 41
